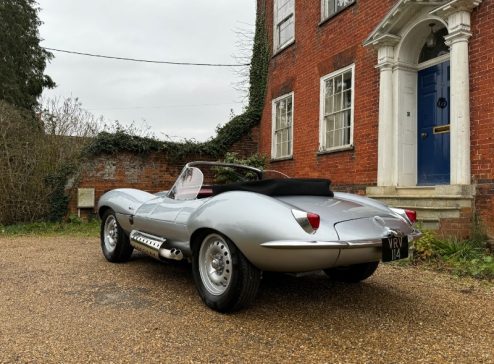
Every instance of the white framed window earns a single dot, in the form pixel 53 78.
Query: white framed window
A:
pixel 331 7
pixel 282 124
pixel 284 23
pixel 337 101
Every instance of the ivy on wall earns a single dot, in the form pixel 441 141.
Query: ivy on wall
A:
pixel 58 199
pixel 226 136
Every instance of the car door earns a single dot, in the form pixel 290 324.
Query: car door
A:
pixel 167 216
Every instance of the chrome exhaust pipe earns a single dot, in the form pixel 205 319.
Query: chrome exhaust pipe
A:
pixel 153 246
pixel 172 253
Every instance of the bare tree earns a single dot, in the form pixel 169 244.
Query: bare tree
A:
pixel 68 117
pixel 38 154
pixel 244 44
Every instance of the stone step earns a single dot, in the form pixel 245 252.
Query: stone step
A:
pixel 420 201
pixel 432 203
pixel 415 191
pixel 429 224
pixel 429 191
pixel 434 212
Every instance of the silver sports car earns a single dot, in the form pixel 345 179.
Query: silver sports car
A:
pixel 233 222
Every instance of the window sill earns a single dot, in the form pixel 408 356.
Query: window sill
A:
pixel 281 159
pixel 326 20
pixel 336 150
pixel 287 45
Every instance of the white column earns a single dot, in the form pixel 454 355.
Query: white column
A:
pixel 386 152
pixel 457 40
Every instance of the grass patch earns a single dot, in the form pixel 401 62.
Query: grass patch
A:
pixel 71 228
pixel 460 257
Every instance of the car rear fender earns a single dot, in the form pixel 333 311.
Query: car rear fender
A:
pixel 250 219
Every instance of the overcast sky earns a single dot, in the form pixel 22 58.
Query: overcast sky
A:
pixel 174 100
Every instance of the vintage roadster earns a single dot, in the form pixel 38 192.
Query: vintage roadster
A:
pixel 233 223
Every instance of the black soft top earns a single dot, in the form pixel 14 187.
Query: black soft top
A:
pixel 281 187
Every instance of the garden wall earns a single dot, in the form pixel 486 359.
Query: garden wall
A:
pixel 151 172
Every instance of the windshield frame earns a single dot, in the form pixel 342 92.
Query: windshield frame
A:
pixel 172 193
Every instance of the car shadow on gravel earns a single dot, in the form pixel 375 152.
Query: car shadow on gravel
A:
pixel 294 295
pixel 160 267
pixel 316 294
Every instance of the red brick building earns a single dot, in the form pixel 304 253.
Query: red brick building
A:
pixel 390 98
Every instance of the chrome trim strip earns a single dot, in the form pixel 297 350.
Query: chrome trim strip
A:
pixel 222 164
pixel 365 244
pixel 288 244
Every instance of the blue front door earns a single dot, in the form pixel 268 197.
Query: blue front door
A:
pixel 433 125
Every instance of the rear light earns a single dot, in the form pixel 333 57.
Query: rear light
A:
pixel 412 216
pixel 314 220
pixel 307 220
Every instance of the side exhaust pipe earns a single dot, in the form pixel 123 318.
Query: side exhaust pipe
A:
pixel 153 246
pixel 172 253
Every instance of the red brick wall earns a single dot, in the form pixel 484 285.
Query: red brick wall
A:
pixel 482 110
pixel 460 227
pixel 321 49
pixel 151 172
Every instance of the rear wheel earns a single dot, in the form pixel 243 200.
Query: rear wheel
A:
pixel 115 243
pixel 352 273
pixel 225 279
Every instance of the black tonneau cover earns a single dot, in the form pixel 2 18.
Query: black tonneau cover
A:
pixel 281 187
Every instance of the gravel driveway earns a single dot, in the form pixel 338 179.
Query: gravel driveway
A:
pixel 60 301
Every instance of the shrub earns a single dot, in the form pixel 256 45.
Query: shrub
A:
pixel 36 159
pixel 462 257
pixel 423 247
pixel 456 249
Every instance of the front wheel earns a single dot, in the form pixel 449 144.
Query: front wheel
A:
pixel 352 273
pixel 225 279
pixel 114 243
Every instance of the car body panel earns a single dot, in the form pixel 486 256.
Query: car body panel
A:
pixel 263 227
pixel 125 201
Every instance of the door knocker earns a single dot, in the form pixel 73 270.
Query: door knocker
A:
pixel 442 103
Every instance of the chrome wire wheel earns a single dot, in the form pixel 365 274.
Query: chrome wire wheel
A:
pixel 215 264
pixel 110 233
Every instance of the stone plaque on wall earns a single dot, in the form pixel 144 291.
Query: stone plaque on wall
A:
pixel 85 198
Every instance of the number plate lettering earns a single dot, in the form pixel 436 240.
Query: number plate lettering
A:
pixel 394 248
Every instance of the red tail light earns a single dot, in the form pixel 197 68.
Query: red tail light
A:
pixel 314 220
pixel 307 220
pixel 412 216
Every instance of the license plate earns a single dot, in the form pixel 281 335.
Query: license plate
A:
pixel 394 248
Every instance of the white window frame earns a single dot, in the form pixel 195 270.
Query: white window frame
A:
pixel 273 126
pixel 277 46
pixel 325 16
pixel 322 126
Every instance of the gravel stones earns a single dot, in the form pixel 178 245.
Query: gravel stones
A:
pixel 61 301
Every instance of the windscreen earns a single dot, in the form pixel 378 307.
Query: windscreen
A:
pixel 187 185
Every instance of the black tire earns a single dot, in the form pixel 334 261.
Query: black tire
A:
pixel 115 243
pixel 352 273
pixel 216 257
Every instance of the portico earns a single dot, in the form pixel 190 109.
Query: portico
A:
pixel 406 141
pixel 424 110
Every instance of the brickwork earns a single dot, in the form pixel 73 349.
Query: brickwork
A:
pixel 151 172
pixel 482 110
pixel 484 205
pixel 321 48
pixel 460 227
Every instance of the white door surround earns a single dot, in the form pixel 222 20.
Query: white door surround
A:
pixel 399 39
